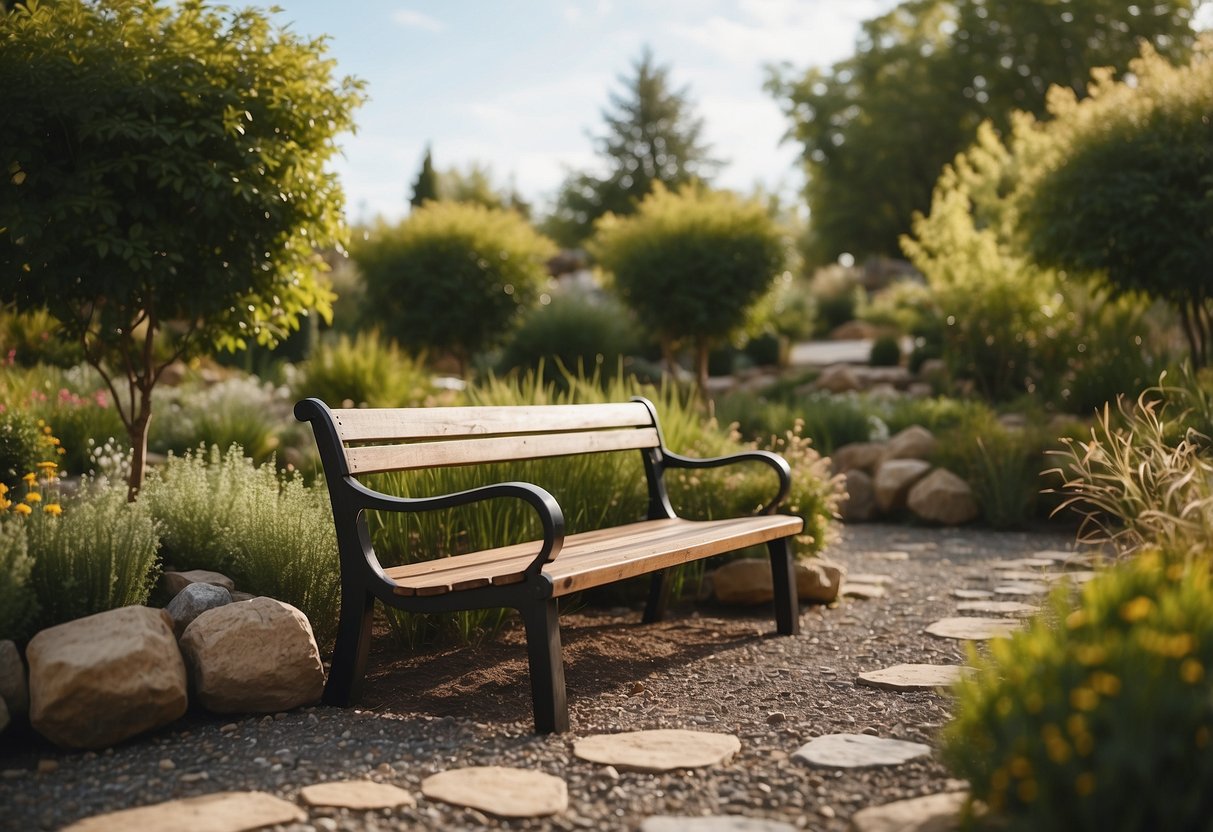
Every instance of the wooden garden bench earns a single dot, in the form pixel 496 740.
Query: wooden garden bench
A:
pixel 528 577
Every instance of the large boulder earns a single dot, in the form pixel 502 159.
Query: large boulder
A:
pixel 838 378
pixel 943 497
pixel 97 680
pixel 818 580
pixel 747 581
pixel 859 505
pixel 915 442
pixel 861 456
pixel 14 687
pixel 894 479
pixel 194 600
pixel 255 656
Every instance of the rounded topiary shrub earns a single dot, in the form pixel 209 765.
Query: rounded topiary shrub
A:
pixel 572 332
pixel 1100 715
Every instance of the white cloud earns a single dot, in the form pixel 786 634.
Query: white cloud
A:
pixel 413 19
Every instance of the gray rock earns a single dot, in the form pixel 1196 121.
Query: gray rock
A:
pixel 859 751
pixel 194 600
pixel 859 505
pixel 915 442
pixel 894 478
pixel 861 456
pixel 942 497
pixel 14 686
pixel 101 679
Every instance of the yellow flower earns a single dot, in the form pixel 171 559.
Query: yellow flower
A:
pixel 33 497
pixel 30 478
pixel 53 509
pixel 22 508
pixel 3 489
pixel 1084 699
pixel 1137 609
pixel 1191 671
pixel 48 466
pixel 1084 784
pixel 1027 791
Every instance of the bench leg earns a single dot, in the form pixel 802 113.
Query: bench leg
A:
pixel 783 574
pixel 547 666
pixel 659 596
pixel 349 655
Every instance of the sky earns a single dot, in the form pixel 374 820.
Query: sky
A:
pixel 520 86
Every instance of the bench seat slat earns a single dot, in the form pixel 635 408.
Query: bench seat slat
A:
pixel 595 558
pixel 387 424
pixel 373 459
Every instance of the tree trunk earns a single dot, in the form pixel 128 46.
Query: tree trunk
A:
pixel 701 369
pixel 1195 349
pixel 141 418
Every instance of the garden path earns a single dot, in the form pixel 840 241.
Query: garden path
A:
pixel 707 669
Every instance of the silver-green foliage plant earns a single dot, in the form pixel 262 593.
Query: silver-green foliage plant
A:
pixel 1062 724
pixel 267 531
pixel 99 554
pixel 241 410
pixel 16 595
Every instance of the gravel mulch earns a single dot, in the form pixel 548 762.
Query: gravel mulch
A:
pixel 707 668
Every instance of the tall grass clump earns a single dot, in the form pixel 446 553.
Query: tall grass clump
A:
pixel 1062 724
pixel 266 530
pixel 1143 476
pixel 362 371
pixel 97 554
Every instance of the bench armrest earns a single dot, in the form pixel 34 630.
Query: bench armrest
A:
pixel 775 461
pixel 550 514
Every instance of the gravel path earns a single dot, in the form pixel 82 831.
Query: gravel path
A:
pixel 774 693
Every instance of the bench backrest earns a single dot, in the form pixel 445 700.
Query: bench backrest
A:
pixel 401 439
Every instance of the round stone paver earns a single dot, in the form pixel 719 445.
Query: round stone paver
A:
pixel 218 812
pixel 859 751
pixel 1024 563
pixel 1022 588
pixel 713 823
pixel 972 628
pixel 933 813
pixel 500 791
pixel 862 591
pixel 1024 576
pixel 997 607
pixel 869 578
pixel 913 676
pixel 892 556
pixel 356 794
pixel 971 594
pixel 659 750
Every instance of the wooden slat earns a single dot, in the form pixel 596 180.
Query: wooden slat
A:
pixel 373 459
pixel 390 424
pixel 595 558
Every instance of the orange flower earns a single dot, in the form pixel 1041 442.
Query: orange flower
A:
pixel 22 508
pixel 33 497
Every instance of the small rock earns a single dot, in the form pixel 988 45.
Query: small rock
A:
pixel 167 765
pixel 838 378
pixel 818 580
pixel 776 718
pixel 194 600
pixel 658 750
pixel 47 766
pixel 1022 588
pixel 942 497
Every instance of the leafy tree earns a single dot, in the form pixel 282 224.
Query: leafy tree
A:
pixel 453 276
pixel 426 185
pixel 165 186
pixel 651 136
pixel 877 127
pixel 690 264
pixel 475 185
pixel 1124 185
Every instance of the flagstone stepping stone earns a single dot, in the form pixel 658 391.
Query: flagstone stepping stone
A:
pixel 1025 563
pixel 891 556
pixel 858 590
pixel 914 676
pixel 1022 588
pixel 1079 576
pixel 972 628
pixel 997 607
pixel 356 794
pixel 869 578
pixel 933 813
pixel 500 791
pixel 219 812
pixel 713 823
pixel 971 594
pixel 659 750
pixel 859 751
pixel 1023 576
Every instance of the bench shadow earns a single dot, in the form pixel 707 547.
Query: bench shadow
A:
pixel 604 653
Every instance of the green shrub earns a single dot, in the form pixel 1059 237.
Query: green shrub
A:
pixel 362 371
pixel 453 276
pixel 837 297
pixel 267 531
pixel 572 332
pixel 98 555
pixel 17 603
pixel 33 337
pixel 76 420
pixel 1062 724
pixel 886 352
pixel 241 410
pixel 21 445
